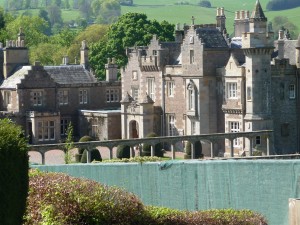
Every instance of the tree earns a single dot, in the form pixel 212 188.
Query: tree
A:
pixel 34 28
pixel 274 5
pixel 130 29
pixel 54 13
pixel 44 15
pixel 205 3
pixel 47 53
pixel 85 8
pixel 106 11
pixel 14 173
pixel 92 34
pixel 283 23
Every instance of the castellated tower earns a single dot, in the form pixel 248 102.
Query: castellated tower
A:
pixel 15 54
pixel 257 45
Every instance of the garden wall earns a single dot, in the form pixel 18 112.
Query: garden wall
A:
pixel 261 185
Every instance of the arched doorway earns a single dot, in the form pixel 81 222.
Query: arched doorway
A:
pixel 133 129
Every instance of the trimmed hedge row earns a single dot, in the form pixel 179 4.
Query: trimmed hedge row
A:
pixel 56 198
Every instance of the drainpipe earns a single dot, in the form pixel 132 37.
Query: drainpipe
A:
pixel 163 100
pixel 297 107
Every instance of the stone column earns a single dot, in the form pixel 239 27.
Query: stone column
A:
pixel 231 148
pixel 173 151
pixel 268 145
pixel 152 150
pixel 110 152
pixel 43 157
pixel 193 150
pixel 211 149
pixel 132 153
pixel 250 146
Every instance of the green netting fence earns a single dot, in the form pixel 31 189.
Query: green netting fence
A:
pixel 261 185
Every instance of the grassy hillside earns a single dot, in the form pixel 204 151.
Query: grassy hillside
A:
pixel 167 10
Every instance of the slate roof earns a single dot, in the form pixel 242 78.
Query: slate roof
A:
pixel 212 38
pixel 70 74
pixel 16 78
pixel 67 74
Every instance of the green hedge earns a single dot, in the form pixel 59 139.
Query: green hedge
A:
pixel 123 151
pixel 95 155
pixel 13 173
pixel 188 150
pixel 157 149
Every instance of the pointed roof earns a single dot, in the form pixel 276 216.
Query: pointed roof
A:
pixel 258 13
pixel 127 99
pixel 147 100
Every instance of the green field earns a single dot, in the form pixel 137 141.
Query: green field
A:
pixel 169 11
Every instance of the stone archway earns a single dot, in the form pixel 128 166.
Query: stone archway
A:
pixel 133 129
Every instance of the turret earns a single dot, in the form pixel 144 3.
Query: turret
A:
pixel 258 21
pixel 15 54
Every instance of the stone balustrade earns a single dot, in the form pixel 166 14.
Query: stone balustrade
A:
pixel 172 140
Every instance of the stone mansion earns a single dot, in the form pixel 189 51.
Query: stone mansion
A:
pixel 203 82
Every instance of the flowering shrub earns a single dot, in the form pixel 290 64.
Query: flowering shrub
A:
pixel 56 198
pixel 166 216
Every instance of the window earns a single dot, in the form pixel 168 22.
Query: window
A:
pixel 7 98
pixel 63 97
pixel 170 88
pixel 135 93
pixel 192 58
pixel 83 96
pixel 46 130
pixel 95 129
pixel 112 95
pixel 232 90
pixel 249 94
pixel 257 140
pixel 171 125
pixel 134 75
pixel 150 87
pixel 191 96
pixel 37 98
pixel 64 123
pixel 292 91
pixel 234 128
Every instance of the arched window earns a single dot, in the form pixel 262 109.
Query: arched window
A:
pixel 191 96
